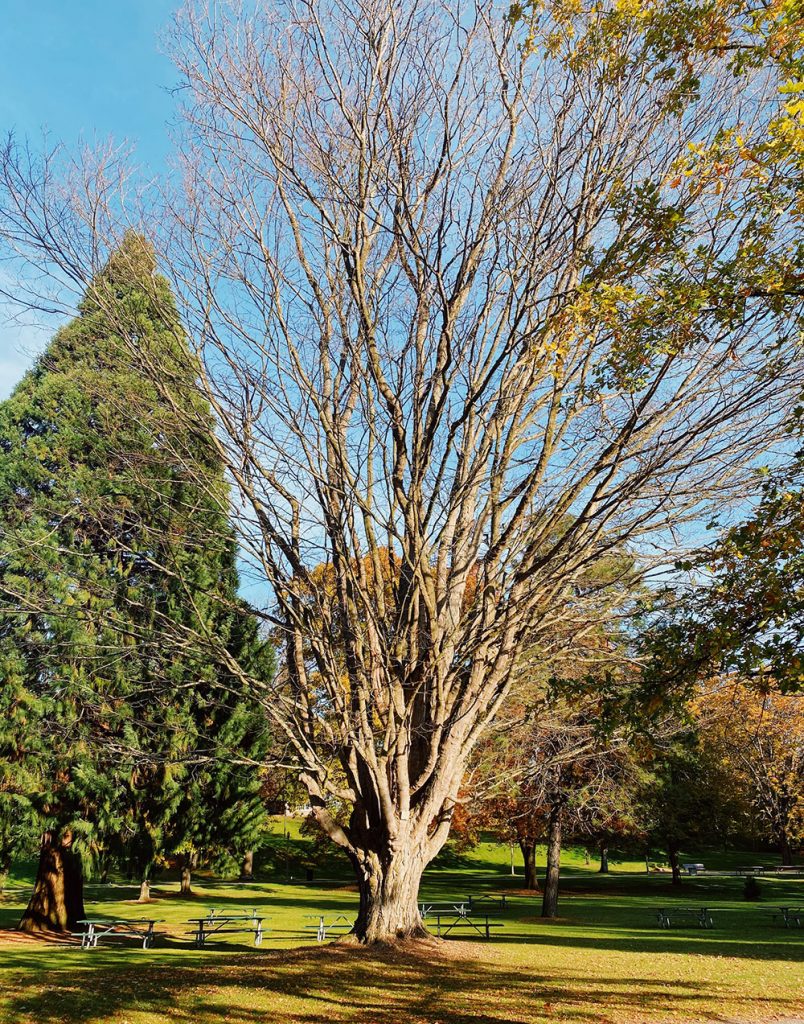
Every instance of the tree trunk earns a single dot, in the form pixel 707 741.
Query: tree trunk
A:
pixel 550 900
pixel 604 859
pixel 57 903
pixel 785 849
pixel 672 855
pixel 389 895
pixel 247 867
pixel 529 856
pixel 5 867
pixel 185 889
pixel 145 887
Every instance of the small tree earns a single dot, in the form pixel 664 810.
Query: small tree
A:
pixel 689 797
pixel 759 737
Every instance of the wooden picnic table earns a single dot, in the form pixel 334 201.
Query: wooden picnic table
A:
pixel 339 923
pixel 751 869
pixel 462 908
pixel 96 928
pixel 698 915
pixel 496 899
pixel 216 924
pixel 480 923
pixel 791 916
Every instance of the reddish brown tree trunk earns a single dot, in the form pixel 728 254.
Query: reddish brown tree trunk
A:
pixel 529 857
pixel 550 900
pixel 785 849
pixel 57 902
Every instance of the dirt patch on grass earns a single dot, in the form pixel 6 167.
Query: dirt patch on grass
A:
pixel 11 937
pixel 431 948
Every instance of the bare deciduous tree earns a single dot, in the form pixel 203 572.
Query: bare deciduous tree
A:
pixel 471 318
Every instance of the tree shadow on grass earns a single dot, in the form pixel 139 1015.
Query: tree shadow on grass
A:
pixel 341 983
pixel 781 945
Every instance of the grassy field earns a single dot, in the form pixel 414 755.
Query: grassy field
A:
pixel 603 960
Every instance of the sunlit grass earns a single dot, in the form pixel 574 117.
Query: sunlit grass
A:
pixel 603 960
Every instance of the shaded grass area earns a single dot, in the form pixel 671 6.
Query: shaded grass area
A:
pixel 603 960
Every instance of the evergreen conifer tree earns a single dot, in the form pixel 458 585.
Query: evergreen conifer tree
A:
pixel 116 560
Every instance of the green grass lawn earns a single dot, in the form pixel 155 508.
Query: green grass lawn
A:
pixel 603 960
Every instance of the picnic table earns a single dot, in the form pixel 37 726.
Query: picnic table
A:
pixel 216 924
pixel 751 869
pixel 461 908
pixel 96 928
pixel 339 924
pixel 701 916
pixel 693 869
pixel 791 916
pixel 495 899
pixel 446 921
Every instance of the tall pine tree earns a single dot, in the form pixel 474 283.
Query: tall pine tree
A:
pixel 116 561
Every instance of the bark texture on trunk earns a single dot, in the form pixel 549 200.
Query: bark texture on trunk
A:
pixel 529 857
pixel 145 890
pixel 186 887
pixel 550 899
pixel 675 867
pixel 785 849
pixel 389 896
pixel 604 859
pixel 57 902
pixel 247 867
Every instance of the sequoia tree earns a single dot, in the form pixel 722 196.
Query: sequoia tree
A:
pixel 106 536
pixel 476 298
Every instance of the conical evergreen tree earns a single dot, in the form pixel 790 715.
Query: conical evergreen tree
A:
pixel 116 562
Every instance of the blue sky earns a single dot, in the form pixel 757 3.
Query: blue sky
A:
pixel 80 68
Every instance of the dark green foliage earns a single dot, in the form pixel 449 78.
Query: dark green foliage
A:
pixel 118 591
pixel 689 800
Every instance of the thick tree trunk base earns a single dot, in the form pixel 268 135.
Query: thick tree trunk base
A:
pixel 57 902
pixel 186 887
pixel 389 899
